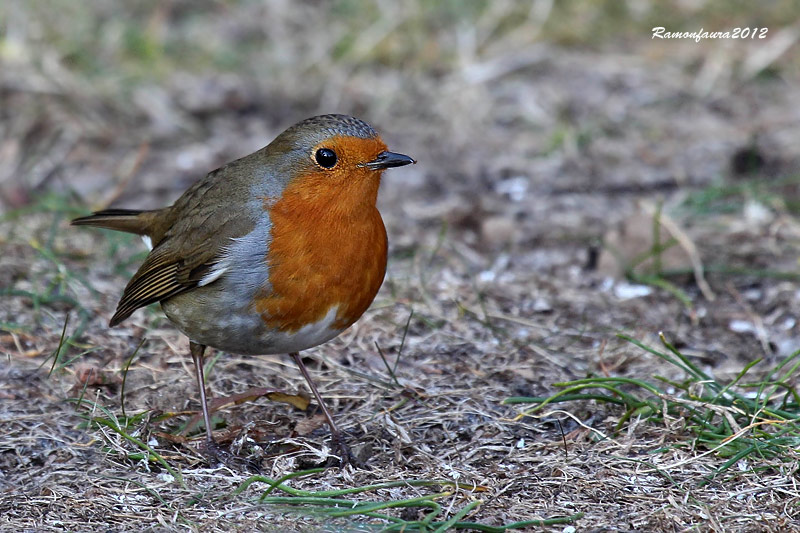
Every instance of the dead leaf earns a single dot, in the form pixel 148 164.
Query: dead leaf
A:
pixel 298 400
pixel 309 425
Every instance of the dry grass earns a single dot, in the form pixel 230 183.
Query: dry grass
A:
pixel 540 130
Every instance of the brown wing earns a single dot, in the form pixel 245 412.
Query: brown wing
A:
pixel 158 279
pixel 203 223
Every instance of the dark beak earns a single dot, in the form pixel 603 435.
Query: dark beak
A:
pixel 389 160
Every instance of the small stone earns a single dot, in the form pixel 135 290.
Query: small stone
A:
pixel 497 230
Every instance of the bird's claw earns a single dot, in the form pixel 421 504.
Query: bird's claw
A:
pixel 346 455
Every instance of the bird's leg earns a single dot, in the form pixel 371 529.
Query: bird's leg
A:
pixel 213 449
pixel 197 351
pixel 338 439
pixel 214 452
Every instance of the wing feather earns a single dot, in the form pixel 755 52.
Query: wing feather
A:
pixel 201 226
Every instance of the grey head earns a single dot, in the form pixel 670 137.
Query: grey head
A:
pixel 324 126
pixel 292 153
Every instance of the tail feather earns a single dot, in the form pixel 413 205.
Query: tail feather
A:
pixel 127 220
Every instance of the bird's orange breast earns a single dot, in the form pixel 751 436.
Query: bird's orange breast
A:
pixel 328 248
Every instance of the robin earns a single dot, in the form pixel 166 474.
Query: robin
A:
pixel 276 252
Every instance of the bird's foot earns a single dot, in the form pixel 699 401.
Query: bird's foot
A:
pixel 345 454
pixel 217 455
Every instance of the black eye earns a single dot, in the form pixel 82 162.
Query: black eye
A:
pixel 326 158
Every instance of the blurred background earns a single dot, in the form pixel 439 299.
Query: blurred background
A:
pixel 508 105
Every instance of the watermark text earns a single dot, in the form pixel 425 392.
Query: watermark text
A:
pixel 660 32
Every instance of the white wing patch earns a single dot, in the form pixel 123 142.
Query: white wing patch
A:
pixel 220 267
pixel 216 273
pixel 147 242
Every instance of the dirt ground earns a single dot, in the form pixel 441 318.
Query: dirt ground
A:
pixel 548 139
